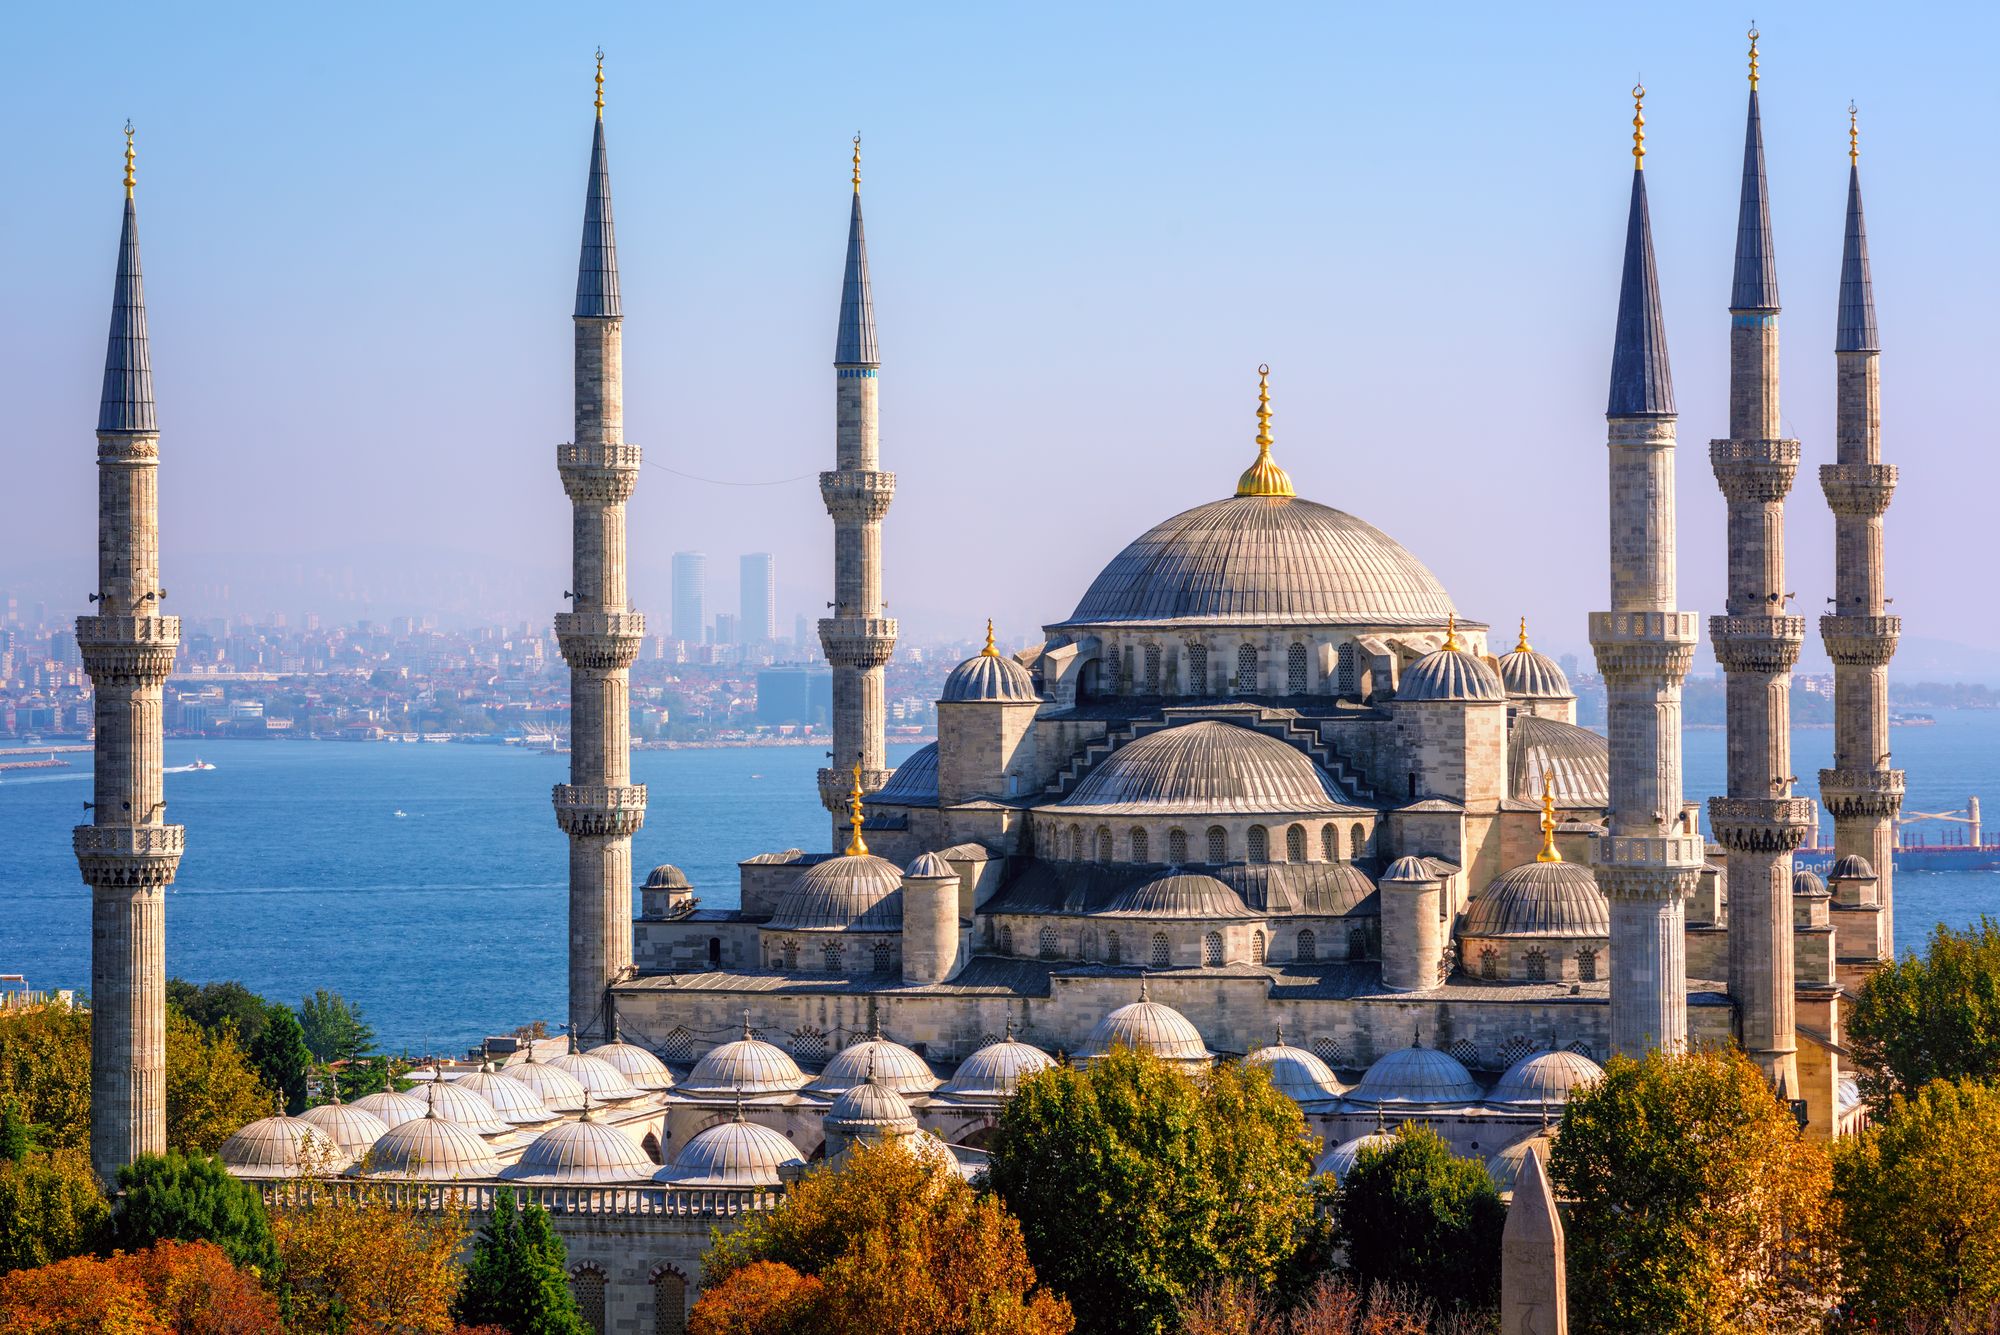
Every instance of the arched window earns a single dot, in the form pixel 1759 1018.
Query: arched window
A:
pixel 670 1303
pixel 791 957
pixel 1246 667
pixel 808 1044
pixel 832 953
pixel 1536 965
pixel 1218 844
pixel 1329 843
pixel 1295 844
pixel 1177 846
pixel 1295 669
pixel 1211 950
pixel 1125 669
pixel 651 1145
pixel 1139 849
pixel 1104 843
pixel 1007 940
pixel 1048 943
pixel 1111 952
pixel 1308 947
pixel 1349 671
pixel 1489 963
pixel 1197 655
pixel 1357 943
pixel 1075 839
pixel 1257 947
pixel 1260 844
pixel 1163 954
pixel 885 958
pixel 1152 669
pixel 1360 837
pixel 1586 965
pixel 715 952
pixel 587 1283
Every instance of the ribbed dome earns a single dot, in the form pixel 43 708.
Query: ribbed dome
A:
pixel 1449 675
pixel 392 1106
pixel 1416 1076
pixel 432 1149
pixel 989 677
pixel 747 1064
pixel 1296 1073
pixel 1264 560
pixel 890 1063
pixel 556 1087
pixel 868 1107
pixel 1540 899
pixel 513 1100
pixel 1807 883
pixel 734 1154
pixel 1339 1161
pixel 580 1152
pixel 604 1082
pixel 454 1104
pixel 1853 867
pixel 1544 1080
pixel 996 1070
pixel 1180 895
pixel 666 876
pixel 638 1066
pixel 1208 768
pixel 1151 1027
pixel 914 782
pixel 281 1147
pixel 851 893
pixel 1579 759
pixel 1532 675
pixel 929 867
pixel 1505 1167
pixel 1409 871
pixel 352 1129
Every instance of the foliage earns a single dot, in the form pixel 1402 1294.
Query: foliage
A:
pixel 211 1088
pixel 1331 1306
pixel 192 1198
pixel 282 1057
pixel 333 1027
pixel 45 1071
pixel 364 1076
pixel 893 1243
pixel 1934 1017
pixel 17 1138
pixel 1920 1197
pixel 174 1288
pixel 518 1275
pixel 1698 1204
pixel 1414 1213
pixel 1135 1183
pixel 50 1209
pixel 221 1008
pixel 354 1260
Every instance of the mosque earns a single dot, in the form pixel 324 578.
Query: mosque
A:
pixel 1262 793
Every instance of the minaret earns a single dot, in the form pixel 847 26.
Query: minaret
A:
pixel 1759 823
pixel 1861 791
pixel 857 638
pixel 128 853
pixel 600 808
pixel 1648 863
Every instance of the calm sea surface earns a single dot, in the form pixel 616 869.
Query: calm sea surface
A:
pixel 427 882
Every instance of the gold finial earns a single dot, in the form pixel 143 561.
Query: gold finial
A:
pixel 1451 633
pixel 130 157
pixel 1549 852
pixel 1853 136
pixel 857 162
pixel 1753 55
pixel 857 846
pixel 990 650
pixel 1639 127
pixel 600 83
pixel 1521 646
pixel 1264 478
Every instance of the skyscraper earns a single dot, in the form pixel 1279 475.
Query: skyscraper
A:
pixel 757 602
pixel 690 595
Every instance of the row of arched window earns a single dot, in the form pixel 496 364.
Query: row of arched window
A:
pixel 587 1283
pixel 1305 946
pixel 1100 845
pixel 1157 673
pixel 1535 964
pixel 833 957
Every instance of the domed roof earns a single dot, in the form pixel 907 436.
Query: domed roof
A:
pixel 469 1110
pixel 1531 675
pixel 1540 899
pixel 581 1151
pixel 639 1067
pixel 1505 1167
pixel 1261 561
pixel 1449 674
pixel 912 783
pixel 281 1147
pixel 855 892
pixel 929 867
pixel 666 876
pixel 515 1101
pixel 1149 1027
pixel 1416 1076
pixel 997 1070
pixel 1179 895
pixel 604 1082
pixel 989 675
pixel 352 1129
pixel 1807 883
pixel 1208 768
pixel 432 1149
pixel 1577 758
pixel 1853 867
pixel 393 1106
pixel 1296 1073
pixel 1409 871
pixel 869 1106
pixel 1340 1160
pixel 1544 1080
pixel 556 1087
pixel 876 1058
pixel 733 1154
pixel 748 1064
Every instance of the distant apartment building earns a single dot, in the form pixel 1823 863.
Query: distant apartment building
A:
pixel 757 600
pixel 795 695
pixel 690 596
pixel 726 629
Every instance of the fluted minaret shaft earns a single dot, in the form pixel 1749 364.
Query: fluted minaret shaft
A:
pixel 1647 863
pixel 1758 822
pixel 600 808
pixel 1861 790
pixel 128 854
pixel 857 638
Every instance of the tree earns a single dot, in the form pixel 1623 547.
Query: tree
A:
pixel 192 1198
pixel 221 1008
pixel 1135 1183
pixel 762 1298
pixel 211 1088
pixel 1414 1213
pixel 355 1260
pixel 50 1209
pixel 283 1059
pixel 333 1027
pixel 1934 1017
pixel 1920 1198
pixel 518 1276
pixel 16 1138
pixel 45 1070
pixel 175 1288
pixel 1698 1204
pixel 194 1290
pixel 363 1076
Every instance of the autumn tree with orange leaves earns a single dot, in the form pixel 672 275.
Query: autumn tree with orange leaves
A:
pixel 356 1259
pixel 171 1288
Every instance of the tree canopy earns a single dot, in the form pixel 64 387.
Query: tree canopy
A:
pixel 221 1008
pixel 353 1260
pixel 333 1027
pixel 50 1209
pixel 192 1198
pixel 1413 1213
pixel 518 1275
pixel 1930 1017
pixel 283 1059
pixel 174 1288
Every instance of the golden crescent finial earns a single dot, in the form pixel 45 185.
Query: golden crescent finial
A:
pixel 1451 632
pixel 1549 851
pixel 600 83
pixel 857 162
pixel 990 650
pixel 130 157
pixel 1521 646
pixel 856 846
pixel 1639 126
pixel 1264 477
pixel 1753 55
pixel 1853 135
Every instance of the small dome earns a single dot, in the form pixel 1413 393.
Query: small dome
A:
pixel 1579 759
pixel 996 1070
pixel 281 1147
pixel 586 1151
pixel 1505 1167
pixel 929 867
pixel 1206 768
pixel 1409 871
pixel 869 1107
pixel 1853 867
pixel 1296 1073
pixel 514 1101
pixel 856 892
pixel 989 676
pixel 666 876
pixel 1544 1080
pixel 747 1064
pixel 1149 1027
pixel 393 1106
pixel 352 1129
pixel 1540 899
pixel 1415 1076
pixel 1449 675
pixel 1180 895
pixel 878 1059
pixel 639 1067
pixel 556 1087
pixel 1339 1161
pixel 1808 883
pixel 1527 674
pixel 604 1082
pixel 432 1149
pixel 912 783
pixel 475 1114
pixel 734 1154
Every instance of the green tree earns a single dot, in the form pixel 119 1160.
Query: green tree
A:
pixel 1920 1208
pixel 282 1057
pixel 1931 1017
pixel 50 1209
pixel 333 1027
pixel 192 1198
pixel 16 1137
pixel 1136 1183
pixel 518 1275
pixel 211 1087
pixel 45 1069
pixel 1698 1205
pixel 1415 1214
pixel 365 1075
pixel 221 1007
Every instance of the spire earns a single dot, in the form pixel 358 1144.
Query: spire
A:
pixel 1642 385
pixel 991 650
pixel 1521 645
pixel 1549 851
pixel 597 267
pixel 854 344
pixel 1756 284
pixel 1857 293
pixel 127 401
pixel 1451 643
pixel 857 846
pixel 1264 478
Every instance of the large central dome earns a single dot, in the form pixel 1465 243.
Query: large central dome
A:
pixel 1265 560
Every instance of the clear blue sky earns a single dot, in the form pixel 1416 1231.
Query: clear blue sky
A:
pixel 1087 225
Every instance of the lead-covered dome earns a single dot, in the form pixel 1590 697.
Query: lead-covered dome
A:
pixel 432 1149
pixel 1806 882
pixel 1505 1167
pixel 1544 1080
pixel 1540 899
pixel 733 1154
pixel 1449 675
pixel 636 1064
pixel 281 1147
pixel 1208 768
pixel 585 1151
pixel 601 1080
pixel 1578 759
pixel 868 1109
pixel 989 676
pixel 1264 561
pixel 352 1129
pixel 1339 1161
pixel 876 1058
pixel 393 1106
pixel 514 1101
pixel 996 1070
pixel 450 1101
pixel 855 892
pixel 1416 1076
pixel 1180 895
pixel 556 1088
pixel 1296 1073
pixel 1529 674
pixel 747 1065
pixel 1150 1027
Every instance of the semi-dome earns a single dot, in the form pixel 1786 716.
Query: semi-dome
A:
pixel 1208 768
pixel 393 1106
pixel 747 1064
pixel 448 1100
pixel 912 783
pixel 1505 1167
pixel 855 892
pixel 1180 895
pixel 557 1088
pixel 1540 899
pixel 1416 1076
pixel 733 1154
pixel 868 1109
pixel 989 676
pixel 876 1058
pixel 1807 883
pixel 604 1082
pixel 1148 1026
pixel 585 1151
pixel 996 1070
pixel 514 1101
pixel 1339 1161
pixel 1264 561
pixel 666 876
pixel 1529 674
pixel 1578 760
pixel 1296 1073
pixel 432 1149
pixel 1544 1080
pixel 281 1147
pixel 641 1068
pixel 1449 675
pixel 352 1129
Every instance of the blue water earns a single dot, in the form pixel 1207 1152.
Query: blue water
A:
pixel 447 923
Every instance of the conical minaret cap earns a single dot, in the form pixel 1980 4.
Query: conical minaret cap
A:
pixel 127 401
pixel 1857 292
pixel 1756 283
pixel 854 344
pixel 597 266
pixel 1642 384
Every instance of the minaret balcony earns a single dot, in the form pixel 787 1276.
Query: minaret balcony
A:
pixel 1861 491
pixel 1760 824
pixel 857 495
pixel 1757 644
pixel 599 454
pixel 600 641
pixel 129 857
pixel 1646 867
pixel 857 642
pixel 1754 471
pixel 1645 644
pixel 133 647
pixel 1858 641
pixel 836 786
pixel 600 810
pixel 1866 794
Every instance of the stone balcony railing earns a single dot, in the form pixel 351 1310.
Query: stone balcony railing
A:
pixel 598 456
pixel 1645 644
pixel 857 495
pixel 129 857
pixel 1754 470
pixel 1760 824
pixel 1860 641
pixel 600 810
pixel 858 642
pixel 1757 644
pixel 1858 490
pixel 128 630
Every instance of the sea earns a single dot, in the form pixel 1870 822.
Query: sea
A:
pixel 425 882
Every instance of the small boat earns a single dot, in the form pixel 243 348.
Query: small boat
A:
pixel 199 763
pixel 400 813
